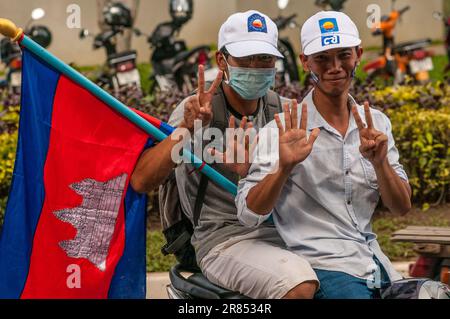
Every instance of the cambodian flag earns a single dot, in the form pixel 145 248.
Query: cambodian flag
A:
pixel 73 228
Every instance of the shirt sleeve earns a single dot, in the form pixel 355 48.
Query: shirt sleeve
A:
pixel 265 162
pixel 177 115
pixel 393 154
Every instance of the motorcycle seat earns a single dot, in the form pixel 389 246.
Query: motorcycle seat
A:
pixel 117 58
pixel 412 45
pixel 197 286
pixel 185 54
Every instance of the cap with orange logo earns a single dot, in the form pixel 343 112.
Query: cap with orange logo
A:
pixel 249 33
pixel 328 30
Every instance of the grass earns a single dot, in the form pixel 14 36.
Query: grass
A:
pixel 156 261
pixel 384 224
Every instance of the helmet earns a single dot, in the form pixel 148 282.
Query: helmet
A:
pixel 41 35
pixel 416 288
pixel 181 10
pixel 434 290
pixel 116 14
pixel 9 50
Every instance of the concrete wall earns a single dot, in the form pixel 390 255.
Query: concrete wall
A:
pixel 416 23
pixel 208 16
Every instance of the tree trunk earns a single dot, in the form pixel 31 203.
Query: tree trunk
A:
pixel 124 40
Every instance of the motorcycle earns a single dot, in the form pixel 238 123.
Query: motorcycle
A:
pixel 185 284
pixel 287 68
pixel 432 244
pixel 11 54
pixel 335 5
pixel 173 64
pixel 120 71
pixel 440 16
pixel 398 61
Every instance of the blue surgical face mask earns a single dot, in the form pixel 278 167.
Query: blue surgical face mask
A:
pixel 250 83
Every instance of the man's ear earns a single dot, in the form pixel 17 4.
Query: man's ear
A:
pixel 304 60
pixel 220 60
pixel 359 53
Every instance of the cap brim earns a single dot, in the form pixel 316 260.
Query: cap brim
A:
pixel 246 48
pixel 346 41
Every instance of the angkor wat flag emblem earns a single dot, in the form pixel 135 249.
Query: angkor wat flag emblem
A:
pixel 73 227
pixel 94 219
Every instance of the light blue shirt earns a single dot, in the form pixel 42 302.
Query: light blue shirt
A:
pixel 325 208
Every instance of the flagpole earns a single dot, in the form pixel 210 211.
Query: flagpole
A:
pixel 10 30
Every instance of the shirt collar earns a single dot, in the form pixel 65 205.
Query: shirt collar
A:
pixel 315 119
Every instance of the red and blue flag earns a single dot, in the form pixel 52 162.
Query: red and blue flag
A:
pixel 74 227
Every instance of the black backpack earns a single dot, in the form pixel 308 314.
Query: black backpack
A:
pixel 177 228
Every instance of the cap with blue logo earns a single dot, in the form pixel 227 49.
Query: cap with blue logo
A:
pixel 328 30
pixel 249 33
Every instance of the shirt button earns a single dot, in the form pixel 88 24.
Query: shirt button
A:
pixel 349 202
pixel 347 172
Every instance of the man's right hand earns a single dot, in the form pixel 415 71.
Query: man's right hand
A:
pixel 199 106
pixel 294 145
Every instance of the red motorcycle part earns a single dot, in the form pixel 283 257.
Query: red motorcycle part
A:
pixel 423 267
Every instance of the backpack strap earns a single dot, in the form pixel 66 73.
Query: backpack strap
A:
pixel 219 121
pixel 201 193
pixel 177 244
pixel 272 101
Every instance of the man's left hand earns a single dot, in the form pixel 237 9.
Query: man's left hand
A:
pixel 374 144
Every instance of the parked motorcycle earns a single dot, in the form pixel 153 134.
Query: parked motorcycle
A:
pixel 11 54
pixel 433 246
pixel 440 16
pixel 120 71
pixel 174 66
pixel 287 68
pixel 398 61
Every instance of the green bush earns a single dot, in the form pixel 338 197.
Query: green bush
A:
pixel 8 143
pixel 423 138
pixel 156 261
pixel 420 117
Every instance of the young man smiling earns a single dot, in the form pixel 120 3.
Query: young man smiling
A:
pixel 333 161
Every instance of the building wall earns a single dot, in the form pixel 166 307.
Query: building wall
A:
pixel 208 16
pixel 417 23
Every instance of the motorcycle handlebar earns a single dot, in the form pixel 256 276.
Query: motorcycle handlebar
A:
pixel 282 22
pixel 404 9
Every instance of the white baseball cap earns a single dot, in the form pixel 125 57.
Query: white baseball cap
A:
pixel 328 30
pixel 249 33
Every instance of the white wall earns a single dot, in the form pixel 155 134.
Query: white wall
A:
pixel 208 16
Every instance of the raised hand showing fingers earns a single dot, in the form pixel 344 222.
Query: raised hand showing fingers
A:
pixel 294 146
pixel 373 142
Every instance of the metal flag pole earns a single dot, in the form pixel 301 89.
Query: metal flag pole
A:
pixel 10 30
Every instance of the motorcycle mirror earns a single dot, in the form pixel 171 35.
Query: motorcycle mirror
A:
pixel 437 15
pixel 293 24
pixel 282 4
pixel 84 33
pixel 37 14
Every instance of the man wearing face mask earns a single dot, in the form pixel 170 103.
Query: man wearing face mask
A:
pixel 253 262
pixel 322 189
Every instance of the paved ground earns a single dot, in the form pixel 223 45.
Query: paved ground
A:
pixel 157 282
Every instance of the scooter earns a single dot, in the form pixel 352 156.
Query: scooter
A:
pixel 397 61
pixel 185 284
pixel 440 16
pixel 287 68
pixel 120 71
pixel 11 54
pixel 432 244
pixel 174 66
pixel 335 5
